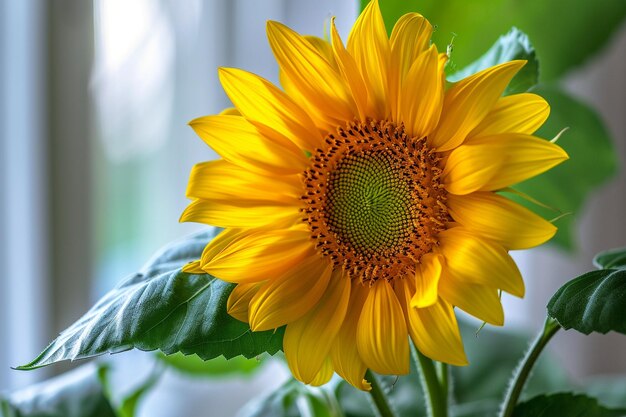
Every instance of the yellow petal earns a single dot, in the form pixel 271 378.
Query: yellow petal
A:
pixel 421 95
pixel 222 181
pixel 219 243
pixel 409 38
pixel 369 45
pixel 522 157
pixel 500 219
pixel 193 268
pixel 350 72
pixel 468 169
pixel 251 256
pixel 381 335
pixel 308 340
pixel 472 259
pixel 467 103
pixel 324 374
pixel 519 113
pixel 478 300
pixel 323 47
pixel 443 60
pixel 345 356
pixel 287 298
pixel 311 75
pixel 426 280
pixel 436 334
pixel 433 329
pixel 325 50
pixel 238 214
pixel 268 108
pixel 239 142
pixel 230 111
pixel 239 300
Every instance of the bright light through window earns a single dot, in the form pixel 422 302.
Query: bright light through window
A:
pixel 132 76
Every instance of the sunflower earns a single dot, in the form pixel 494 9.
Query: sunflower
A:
pixel 360 201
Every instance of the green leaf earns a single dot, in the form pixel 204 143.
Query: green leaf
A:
pixel 593 302
pixel 293 399
pixel 592 162
pixel 514 45
pixel 565 33
pixel 220 366
pixel 129 405
pixel 130 402
pixel 614 258
pixel 74 394
pixel 163 308
pixel 564 404
pixel 279 403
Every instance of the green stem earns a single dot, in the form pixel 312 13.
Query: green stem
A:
pixel 443 373
pixel 526 365
pixel 436 396
pixel 378 396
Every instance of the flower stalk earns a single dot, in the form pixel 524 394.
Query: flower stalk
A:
pixel 443 372
pixel 380 400
pixel 522 372
pixel 435 386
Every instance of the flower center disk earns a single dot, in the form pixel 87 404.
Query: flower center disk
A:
pixel 374 202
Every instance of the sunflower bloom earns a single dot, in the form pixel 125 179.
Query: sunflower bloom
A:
pixel 359 201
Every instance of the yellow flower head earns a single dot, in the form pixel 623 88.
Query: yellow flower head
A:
pixel 360 201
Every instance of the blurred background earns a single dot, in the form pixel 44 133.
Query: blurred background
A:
pixel 95 97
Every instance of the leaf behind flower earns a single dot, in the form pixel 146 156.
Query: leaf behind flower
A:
pixel 163 308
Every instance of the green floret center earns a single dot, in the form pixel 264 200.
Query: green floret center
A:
pixel 369 204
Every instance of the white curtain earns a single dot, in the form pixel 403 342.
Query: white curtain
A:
pixel 23 199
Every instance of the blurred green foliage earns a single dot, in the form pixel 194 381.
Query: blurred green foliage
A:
pixel 294 399
pixel 78 393
pixel 477 388
pixel 129 403
pixel 509 47
pixel 192 365
pixel 613 258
